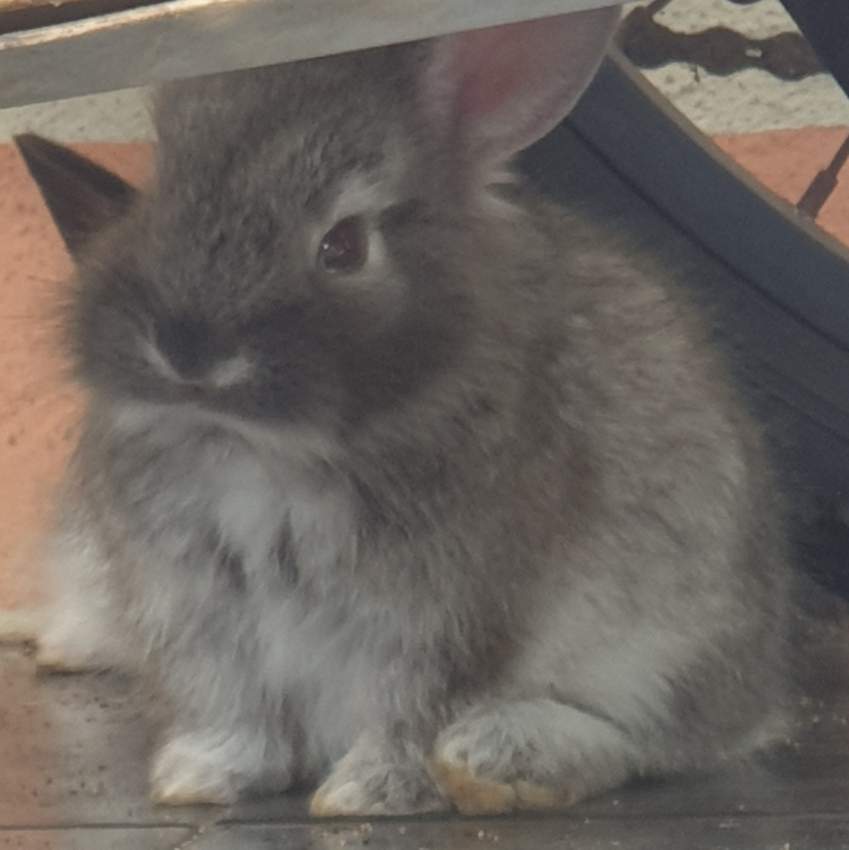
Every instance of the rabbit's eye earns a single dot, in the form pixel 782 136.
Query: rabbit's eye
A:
pixel 344 248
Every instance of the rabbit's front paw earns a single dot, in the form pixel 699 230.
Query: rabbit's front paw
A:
pixel 526 756
pixel 213 769
pixel 370 782
pixel 473 794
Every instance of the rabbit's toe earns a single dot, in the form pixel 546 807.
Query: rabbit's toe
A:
pixel 484 770
pixel 475 795
pixel 336 798
pixel 210 769
pixel 374 795
pixel 471 794
pixel 367 783
pixel 184 775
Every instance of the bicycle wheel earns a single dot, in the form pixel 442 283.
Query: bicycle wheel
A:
pixel 825 23
pixel 778 285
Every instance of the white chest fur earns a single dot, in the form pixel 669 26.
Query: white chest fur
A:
pixel 254 489
pixel 306 649
pixel 254 504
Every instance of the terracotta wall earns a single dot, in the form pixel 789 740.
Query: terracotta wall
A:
pixel 37 405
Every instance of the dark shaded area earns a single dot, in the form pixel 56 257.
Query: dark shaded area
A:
pixel 718 50
pixel 825 23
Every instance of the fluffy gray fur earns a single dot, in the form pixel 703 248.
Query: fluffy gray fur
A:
pixel 484 523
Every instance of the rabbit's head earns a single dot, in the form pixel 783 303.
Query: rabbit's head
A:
pixel 320 238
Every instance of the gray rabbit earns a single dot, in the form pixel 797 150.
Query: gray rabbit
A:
pixel 393 475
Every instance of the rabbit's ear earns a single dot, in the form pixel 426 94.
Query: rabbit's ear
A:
pixel 497 90
pixel 82 197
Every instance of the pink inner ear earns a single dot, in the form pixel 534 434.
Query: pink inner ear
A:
pixel 497 64
pixel 504 87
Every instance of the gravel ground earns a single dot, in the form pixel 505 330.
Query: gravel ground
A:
pixel 750 100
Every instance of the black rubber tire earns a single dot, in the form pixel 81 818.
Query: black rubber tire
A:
pixel 825 24
pixel 778 284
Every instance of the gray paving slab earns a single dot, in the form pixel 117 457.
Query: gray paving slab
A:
pixel 73 749
pixel 753 833
pixel 95 839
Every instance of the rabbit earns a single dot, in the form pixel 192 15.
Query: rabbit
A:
pixel 394 477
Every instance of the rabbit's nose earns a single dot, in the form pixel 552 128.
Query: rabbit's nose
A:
pixel 188 346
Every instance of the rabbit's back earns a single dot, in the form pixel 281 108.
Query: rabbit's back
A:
pixel 667 592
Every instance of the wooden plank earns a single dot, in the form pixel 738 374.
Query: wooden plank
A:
pixel 14 5
pixel 18 15
pixel 183 38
